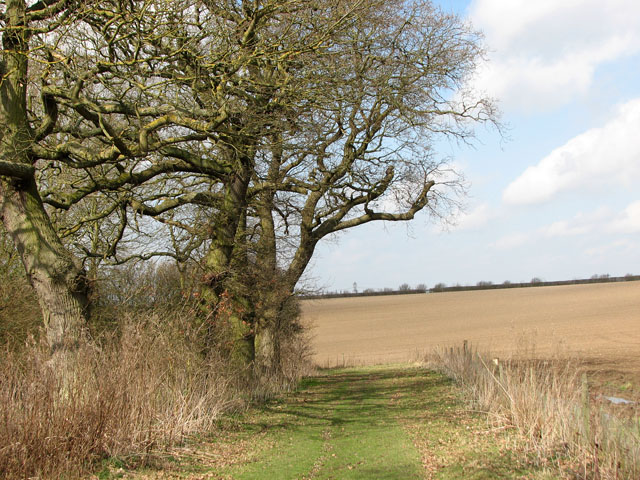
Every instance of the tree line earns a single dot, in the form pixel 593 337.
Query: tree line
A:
pixel 535 282
pixel 481 285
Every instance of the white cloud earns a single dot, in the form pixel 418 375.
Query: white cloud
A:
pixel 628 221
pixel 609 155
pixel 473 219
pixel 600 221
pixel 621 246
pixel 581 224
pixel 565 229
pixel 512 240
pixel 545 52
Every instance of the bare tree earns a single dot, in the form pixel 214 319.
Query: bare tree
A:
pixel 360 150
pixel 348 142
pixel 337 134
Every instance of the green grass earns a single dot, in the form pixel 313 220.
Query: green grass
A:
pixel 342 425
pixel 391 422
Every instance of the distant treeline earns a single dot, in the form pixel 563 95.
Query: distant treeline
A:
pixel 366 293
pixel 484 285
pixel 534 283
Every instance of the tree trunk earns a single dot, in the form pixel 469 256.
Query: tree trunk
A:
pixel 243 351
pixel 58 280
pixel 268 347
pixel 225 261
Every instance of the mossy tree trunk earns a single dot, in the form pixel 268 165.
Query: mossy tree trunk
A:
pixel 58 279
pixel 223 288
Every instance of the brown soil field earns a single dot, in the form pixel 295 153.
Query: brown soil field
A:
pixel 598 323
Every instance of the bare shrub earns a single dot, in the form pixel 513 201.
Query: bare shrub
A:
pixel 145 389
pixel 548 404
pixel 296 363
pixel 135 288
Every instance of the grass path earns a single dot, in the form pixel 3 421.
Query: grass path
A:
pixel 346 425
pixel 376 423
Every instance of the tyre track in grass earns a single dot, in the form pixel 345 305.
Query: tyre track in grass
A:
pixel 343 425
pixel 386 423
pixel 380 423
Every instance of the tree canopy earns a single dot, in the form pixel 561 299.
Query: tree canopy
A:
pixel 238 133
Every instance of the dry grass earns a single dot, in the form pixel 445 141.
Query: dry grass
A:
pixel 550 406
pixel 144 389
pixel 265 383
pixel 148 389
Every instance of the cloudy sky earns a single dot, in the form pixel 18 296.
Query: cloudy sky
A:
pixel 560 197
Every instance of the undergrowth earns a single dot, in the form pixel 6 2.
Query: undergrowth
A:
pixel 131 395
pixel 549 404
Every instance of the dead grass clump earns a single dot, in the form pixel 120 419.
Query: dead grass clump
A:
pixel 548 403
pixel 148 388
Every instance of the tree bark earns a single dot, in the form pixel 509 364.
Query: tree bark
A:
pixel 222 275
pixel 58 279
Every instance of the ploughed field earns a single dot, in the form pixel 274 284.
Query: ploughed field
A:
pixel 598 323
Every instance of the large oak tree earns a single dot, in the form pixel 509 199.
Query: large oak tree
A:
pixel 257 128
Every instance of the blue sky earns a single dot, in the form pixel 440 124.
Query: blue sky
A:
pixel 559 199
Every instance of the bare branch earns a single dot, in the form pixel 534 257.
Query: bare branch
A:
pixel 16 170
